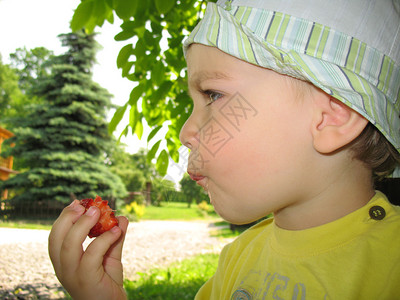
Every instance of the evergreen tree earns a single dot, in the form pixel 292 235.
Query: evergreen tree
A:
pixel 64 139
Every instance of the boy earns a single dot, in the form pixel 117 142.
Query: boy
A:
pixel 292 117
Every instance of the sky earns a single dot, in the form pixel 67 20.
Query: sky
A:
pixel 35 23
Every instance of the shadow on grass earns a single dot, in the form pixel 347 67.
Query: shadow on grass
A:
pixel 164 290
pixel 180 280
pixel 38 291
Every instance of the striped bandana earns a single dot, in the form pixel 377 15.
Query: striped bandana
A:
pixel 354 56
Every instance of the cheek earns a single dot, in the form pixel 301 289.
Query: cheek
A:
pixel 238 163
pixel 264 149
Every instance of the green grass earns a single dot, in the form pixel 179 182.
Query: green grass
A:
pixel 176 211
pixel 180 280
pixel 167 211
pixel 27 224
pixel 223 230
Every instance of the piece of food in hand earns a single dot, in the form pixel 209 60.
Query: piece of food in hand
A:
pixel 107 218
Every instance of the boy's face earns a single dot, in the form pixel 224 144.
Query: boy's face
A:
pixel 251 147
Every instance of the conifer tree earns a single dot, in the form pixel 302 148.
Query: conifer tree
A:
pixel 64 139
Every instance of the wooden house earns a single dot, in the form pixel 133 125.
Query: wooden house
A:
pixel 6 164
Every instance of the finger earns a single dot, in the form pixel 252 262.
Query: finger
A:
pixel 109 243
pixel 71 249
pixel 115 250
pixel 112 260
pixel 60 228
pixel 95 258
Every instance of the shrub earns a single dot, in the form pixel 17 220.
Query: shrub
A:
pixel 204 208
pixel 133 211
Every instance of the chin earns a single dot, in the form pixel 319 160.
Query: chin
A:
pixel 236 220
pixel 233 217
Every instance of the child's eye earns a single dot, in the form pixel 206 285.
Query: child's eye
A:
pixel 213 96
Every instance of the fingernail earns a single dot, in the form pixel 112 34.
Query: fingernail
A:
pixel 115 229
pixel 91 211
pixel 75 206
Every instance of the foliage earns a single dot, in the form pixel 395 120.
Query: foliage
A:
pixel 31 66
pixel 162 190
pixel 64 139
pixel 133 211
pixel 192 191
pixel 160 89
pixel 226 232
pixel 180 280
pixel 131 168
pixel 205 208
pixel 12 98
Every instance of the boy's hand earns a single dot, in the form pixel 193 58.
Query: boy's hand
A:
pixel 97 272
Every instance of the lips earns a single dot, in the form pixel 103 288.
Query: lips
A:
pixel 200 180
pixel 195 177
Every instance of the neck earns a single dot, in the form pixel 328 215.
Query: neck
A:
pixel 350 190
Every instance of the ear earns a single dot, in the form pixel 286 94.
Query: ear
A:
pixel 334 124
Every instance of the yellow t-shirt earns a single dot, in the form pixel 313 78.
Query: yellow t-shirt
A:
pixel 355 257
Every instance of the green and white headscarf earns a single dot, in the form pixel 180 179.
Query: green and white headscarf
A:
pixel 348 48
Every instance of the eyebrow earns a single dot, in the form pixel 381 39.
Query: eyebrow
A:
pixel 198 77
pixel 201 76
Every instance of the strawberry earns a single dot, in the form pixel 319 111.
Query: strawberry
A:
pixel 107 218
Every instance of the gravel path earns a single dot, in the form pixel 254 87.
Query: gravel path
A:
pixel 26 271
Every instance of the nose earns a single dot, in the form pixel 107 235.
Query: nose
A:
pixel 189 135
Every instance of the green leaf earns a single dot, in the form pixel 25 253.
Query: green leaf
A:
pixel 175 42
pixel 134 117
pixel 124 55
pixel 148 39
pixel 142 12
pixel 129 25
pixel 163 90
pixel 156 27
pixel 126 69
pixel 82 15
pixel 164 6
pixel 135 95
pixel 100 11
pixel 139 130
pixel 140 51
pixel 124 132
pixel 153 132
pixel 125 8
pixel 162 163
pixel 179 122
pixel 152 153
pixel 124 35
pixel 118 115
pixel 173 150
pixel 158 73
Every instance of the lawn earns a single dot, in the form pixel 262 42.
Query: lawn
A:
pixel 167 211
pixel 176 211
pixel 27 224
pixel 179 280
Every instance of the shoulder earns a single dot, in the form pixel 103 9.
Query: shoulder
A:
pixel 382 224
pixel 249 238
pixel 381 211
pixel 263 228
